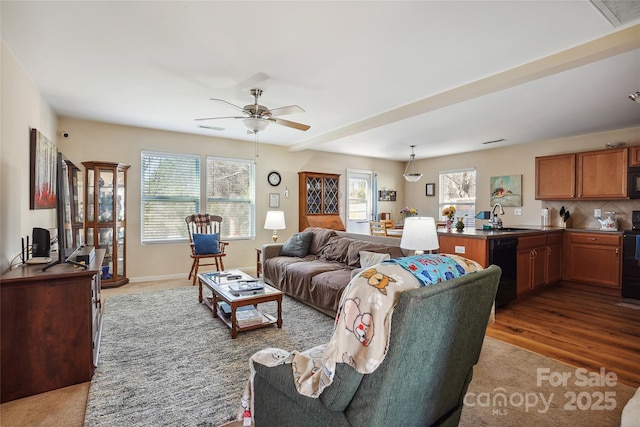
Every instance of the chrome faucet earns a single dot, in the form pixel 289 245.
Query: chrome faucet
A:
pixel 495 220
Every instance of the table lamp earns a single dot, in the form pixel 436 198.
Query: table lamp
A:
pixel 275 222
pixel 419 234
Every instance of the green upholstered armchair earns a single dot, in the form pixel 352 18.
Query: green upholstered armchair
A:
pixel 437 335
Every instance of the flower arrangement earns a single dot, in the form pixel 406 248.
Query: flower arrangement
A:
pixel 407 211
pixel 449 212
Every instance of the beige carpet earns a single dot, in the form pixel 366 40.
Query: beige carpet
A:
pixel 502 368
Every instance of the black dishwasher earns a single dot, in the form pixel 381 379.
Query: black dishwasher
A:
pixel 503 253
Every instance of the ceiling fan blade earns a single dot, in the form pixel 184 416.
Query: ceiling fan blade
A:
pixel 229 104
pixel 216 118
pixel 290 124
pixel 291 109
pixel 210 127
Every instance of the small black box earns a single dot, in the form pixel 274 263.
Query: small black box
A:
pixel 85 254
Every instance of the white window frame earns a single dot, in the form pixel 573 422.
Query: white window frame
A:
pixel 228 225
pixel 461 204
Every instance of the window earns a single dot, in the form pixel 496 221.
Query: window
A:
pixel 170 192
pixel 458 188
pixel 231 194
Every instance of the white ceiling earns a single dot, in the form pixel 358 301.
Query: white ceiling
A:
pixel 374 77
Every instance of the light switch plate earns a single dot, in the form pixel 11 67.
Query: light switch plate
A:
pixel 517 211
pixel 597 213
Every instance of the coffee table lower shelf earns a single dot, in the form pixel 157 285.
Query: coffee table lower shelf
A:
pixel 267 319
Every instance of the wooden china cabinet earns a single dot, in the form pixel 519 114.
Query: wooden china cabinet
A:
pixel 319 199
pixel 105 217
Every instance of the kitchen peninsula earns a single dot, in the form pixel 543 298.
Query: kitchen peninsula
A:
pixel 544 255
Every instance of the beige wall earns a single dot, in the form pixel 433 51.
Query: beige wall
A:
pixel 23 108
pixel 520 160
pixel 99 141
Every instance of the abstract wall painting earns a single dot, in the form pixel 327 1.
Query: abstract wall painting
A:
pixel 42 172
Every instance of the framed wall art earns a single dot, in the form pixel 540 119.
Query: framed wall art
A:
pixel 506 190
pixel 274 200
pixel 386 196
pixel 42 172
pixel 431 189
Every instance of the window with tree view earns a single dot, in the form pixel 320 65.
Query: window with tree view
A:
pixel 231 194
pixel 458 189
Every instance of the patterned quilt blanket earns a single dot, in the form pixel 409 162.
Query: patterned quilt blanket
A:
pixel 363 324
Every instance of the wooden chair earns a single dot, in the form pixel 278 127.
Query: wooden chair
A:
pixel 202 223
pixel 386 218
pixel 378 228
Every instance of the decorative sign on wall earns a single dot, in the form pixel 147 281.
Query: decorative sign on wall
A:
pixel 506 190
pixel 386 196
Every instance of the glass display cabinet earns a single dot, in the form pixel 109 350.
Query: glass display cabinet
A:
pixel 105 217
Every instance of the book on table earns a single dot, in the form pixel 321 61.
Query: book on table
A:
pixel 246 287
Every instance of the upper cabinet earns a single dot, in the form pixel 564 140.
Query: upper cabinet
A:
pixel 634 155
pixel 590 175
pixel 556 177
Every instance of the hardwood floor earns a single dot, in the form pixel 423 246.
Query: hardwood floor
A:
pixel 577 327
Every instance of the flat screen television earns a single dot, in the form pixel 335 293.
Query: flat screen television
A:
pixel 66 246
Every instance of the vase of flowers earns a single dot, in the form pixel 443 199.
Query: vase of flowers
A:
pixel 449 214
pixel 407 212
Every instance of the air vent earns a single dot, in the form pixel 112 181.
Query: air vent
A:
pixel 494 141
pixel 618 12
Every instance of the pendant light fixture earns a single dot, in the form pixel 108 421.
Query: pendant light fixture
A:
pixel 410 173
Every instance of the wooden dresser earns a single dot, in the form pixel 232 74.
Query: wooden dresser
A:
pixel 51 325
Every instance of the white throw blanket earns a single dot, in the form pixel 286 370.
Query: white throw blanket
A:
pixel 363 324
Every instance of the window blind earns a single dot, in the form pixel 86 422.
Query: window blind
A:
pixel 170 188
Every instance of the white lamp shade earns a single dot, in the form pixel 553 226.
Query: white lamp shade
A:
pixel 255 124
pixel 274 220
pixel 419 234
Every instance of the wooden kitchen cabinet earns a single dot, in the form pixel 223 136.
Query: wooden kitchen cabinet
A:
pixel 539 261
pixel 556 177
pixel 634 156
pixel 602 174
pixel 593 258
pixel 594 175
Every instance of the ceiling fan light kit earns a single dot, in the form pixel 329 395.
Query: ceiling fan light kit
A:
pixel 255 124
pixel 410 173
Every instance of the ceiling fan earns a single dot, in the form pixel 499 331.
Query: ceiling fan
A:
pixel 257 117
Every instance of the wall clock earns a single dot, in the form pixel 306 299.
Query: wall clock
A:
pixel 274 178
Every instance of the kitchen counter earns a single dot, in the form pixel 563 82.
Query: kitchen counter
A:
pixel 516 231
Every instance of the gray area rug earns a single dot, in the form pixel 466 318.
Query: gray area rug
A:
pixel 164 361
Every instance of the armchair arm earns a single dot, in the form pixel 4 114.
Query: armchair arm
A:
pixel 222 245
pixel 270 250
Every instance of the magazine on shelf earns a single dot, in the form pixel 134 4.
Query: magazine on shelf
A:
pixel 248 317
pixel 226 308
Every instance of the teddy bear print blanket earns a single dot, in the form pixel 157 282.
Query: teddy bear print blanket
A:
pixel 363 323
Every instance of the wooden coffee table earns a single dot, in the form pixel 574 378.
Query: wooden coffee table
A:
pixel 218 283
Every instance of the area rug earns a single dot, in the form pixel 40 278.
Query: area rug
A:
pixel 164 361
